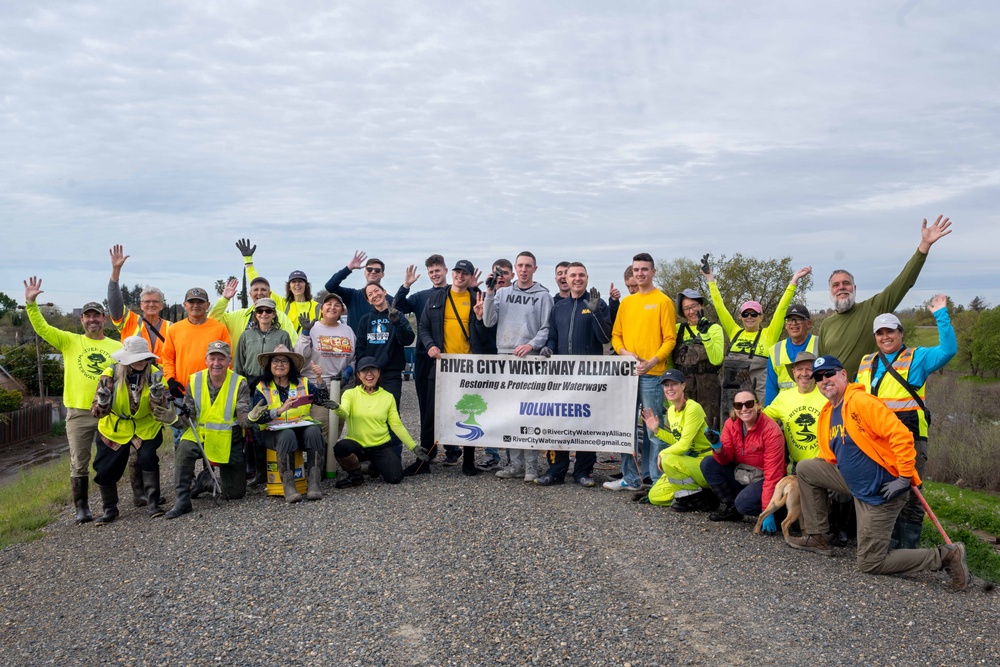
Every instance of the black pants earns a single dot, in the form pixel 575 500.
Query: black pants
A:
pixel 232 475
pixel 285 442
pixel 383 457
pixel 110 464
pixel 559 464
pixel 393 383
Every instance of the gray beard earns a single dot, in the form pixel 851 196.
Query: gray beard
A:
pixel 843 305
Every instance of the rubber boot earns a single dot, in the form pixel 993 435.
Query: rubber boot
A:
pixel 135 478
pixel 151 486
pixel 727 510
pixel 840 519
pixel 182 505
pixel 352 467
pixel 81 499
pixel 109 499
pixel 317 462
pixel 203 484
pixel 469 461
pixel 287 472
pixel 260 457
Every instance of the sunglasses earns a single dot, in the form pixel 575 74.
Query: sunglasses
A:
pixel 745 405
pixel 372 269
pixel 264 311
pixel 281 361
pixel 749 313
pixel 824 375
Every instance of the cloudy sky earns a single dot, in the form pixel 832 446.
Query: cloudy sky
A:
pixel 580 130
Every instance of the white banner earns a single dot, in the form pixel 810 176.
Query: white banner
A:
pixel 568 402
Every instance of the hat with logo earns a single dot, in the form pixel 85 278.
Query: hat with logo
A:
pixel 797 310
pixel 196 294
pixel 886 321
pixel 826 363
pixel 752 305
pixel 297 275
pixel 92 305
pixel 464 265
pixel 218 347
pixel 672 375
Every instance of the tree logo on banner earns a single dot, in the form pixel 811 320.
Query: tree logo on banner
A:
pixel 470 405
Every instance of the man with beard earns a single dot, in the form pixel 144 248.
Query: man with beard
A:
pixel 844 334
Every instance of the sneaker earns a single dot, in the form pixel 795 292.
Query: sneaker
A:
pixel 818 544
pixel 547 480
pixel 510 472
pixel 953 560
pixel 587 482
pixel 489 464
pixel 530 476
pixel 355 478
pixel 451 459
pixel 620 485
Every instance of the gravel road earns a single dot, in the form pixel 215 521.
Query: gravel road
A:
pixel 449 570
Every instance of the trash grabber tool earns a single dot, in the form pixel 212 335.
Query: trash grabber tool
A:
pixel 213 473
pixel 927 508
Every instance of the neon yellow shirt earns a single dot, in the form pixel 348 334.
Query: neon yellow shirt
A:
pixel 798 416
pixel 741 341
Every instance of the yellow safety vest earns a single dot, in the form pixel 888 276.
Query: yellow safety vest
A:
pixel 270 392
pixel 894 395
pixel 216 419
pixel 121 424
pixel 780 360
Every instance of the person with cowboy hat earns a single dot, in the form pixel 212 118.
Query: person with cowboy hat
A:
pixel 127 392
pixel 282 401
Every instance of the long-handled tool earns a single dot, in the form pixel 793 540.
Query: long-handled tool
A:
pixel 213 473
pixel 927 509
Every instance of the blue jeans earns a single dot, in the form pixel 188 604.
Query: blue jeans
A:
pixel 649 446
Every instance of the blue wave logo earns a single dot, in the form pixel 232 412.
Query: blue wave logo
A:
pixel 474 432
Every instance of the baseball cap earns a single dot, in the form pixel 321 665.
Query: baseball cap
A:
pixel 297 275
pixel 265 302
pixel 886 321
pixel 752 305
pixel 218 347
pixel 464 265
pixel 325 296
pixel 689 293
pixel 366 362
pixel 797 310
pixel 826 363
pixel 259 279
pixel 92 305
pixel 196 294
pixel 672 375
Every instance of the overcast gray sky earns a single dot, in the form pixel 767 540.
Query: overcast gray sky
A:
pixel 580 130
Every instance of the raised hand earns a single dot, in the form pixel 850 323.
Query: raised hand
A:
pixel 118 258
pixel 393 315
pixel 245 248
pixel 258 411
pixel 104 396
pixel 411 276
pixel 652 421
pixel 937 303
pixel 306 323
pixel 800 274
pixel 229 291
pixel 358 260
pixel 706 269
pixel 317 371
pixel 32 288
pixel 156 389
pixel 475 281
pixel 478 308
pixel 614 293
pixel 595 299
pixel 932 234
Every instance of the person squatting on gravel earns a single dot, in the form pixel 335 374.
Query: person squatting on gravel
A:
pixel 370 412
pixel 284 397
pixel 215 412
pixel 85 356
pixel 866 451
pixel 127 392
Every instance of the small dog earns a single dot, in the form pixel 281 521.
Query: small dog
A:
pixel 786 494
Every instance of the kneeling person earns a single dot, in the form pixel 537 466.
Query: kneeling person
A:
pixel 217 404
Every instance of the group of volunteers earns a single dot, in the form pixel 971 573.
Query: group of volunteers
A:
pixel 724 409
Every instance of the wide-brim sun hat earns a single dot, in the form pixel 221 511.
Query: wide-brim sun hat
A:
pixel 133 350
pixel 264 358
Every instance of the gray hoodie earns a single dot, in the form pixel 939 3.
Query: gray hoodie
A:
pixel 521 316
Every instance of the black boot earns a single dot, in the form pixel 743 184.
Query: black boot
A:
pixel 109 499
pixel 727 510
pixel 418 467
pixel 260 472
pixel 840 520
pixel 80 499
pixel 182 505
pixel 203 484
pixel 317 462
pixel 138 485
pixel 151 486
pixel 909 534
pixel 287 472
pixel 469 461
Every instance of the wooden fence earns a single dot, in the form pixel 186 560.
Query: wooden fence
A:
pixel 24 424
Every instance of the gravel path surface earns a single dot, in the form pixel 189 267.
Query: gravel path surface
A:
pixel 449 570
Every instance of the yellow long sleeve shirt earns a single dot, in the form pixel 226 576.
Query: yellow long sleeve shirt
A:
pixel 646 325
pixel 768 336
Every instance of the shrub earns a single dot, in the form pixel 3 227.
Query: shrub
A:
pixel 964 437
pixel 10 400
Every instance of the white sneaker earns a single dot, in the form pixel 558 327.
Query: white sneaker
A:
pixel 530 476
pixel 510 472
pixel 620 485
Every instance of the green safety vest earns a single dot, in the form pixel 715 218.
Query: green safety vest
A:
pixel 121 424
pixel 895 396
pixel 216 419
pixel 780 360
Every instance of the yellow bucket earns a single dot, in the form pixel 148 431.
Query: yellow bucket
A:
pixel 274 487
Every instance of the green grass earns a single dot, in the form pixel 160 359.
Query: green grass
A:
pixel 58 429
pixel 960 511
pixel 32 500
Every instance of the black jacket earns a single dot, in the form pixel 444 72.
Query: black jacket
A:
pixel 574 329
pixel 431 327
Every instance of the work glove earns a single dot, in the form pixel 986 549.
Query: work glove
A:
pixel 895 488
pixel 245 248
pixel 768 526
pixel 176 388
pixel 165 414
pixel 704 325
pixel 393 316
pixel 258 411
pixel 712 436
pixel 421 454
pixel 705 268
pixel 595 300
pixel 306 323
pixel 545 352
pixel 330 404
pixel 156 389
pixel 104 395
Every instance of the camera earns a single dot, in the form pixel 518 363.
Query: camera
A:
pixel 491 280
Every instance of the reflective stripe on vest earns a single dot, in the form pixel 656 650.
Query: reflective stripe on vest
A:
pixel 215 418
pixel 120 425
pixel 273 398
pixel 780 360
pixel 894 395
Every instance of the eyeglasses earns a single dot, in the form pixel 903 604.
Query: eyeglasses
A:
pixel 749 314
pixel 281 361
pixel 368 371
pixel 745 405
pixel 372 269
pixel 150 303
pixel 825 375
pixel 264 311
pixel 688 309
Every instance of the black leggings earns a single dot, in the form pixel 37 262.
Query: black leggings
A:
pixel 109 464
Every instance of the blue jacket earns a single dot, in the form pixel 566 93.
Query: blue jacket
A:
pixel 355 299
pixel 414 303
pixel 574 329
